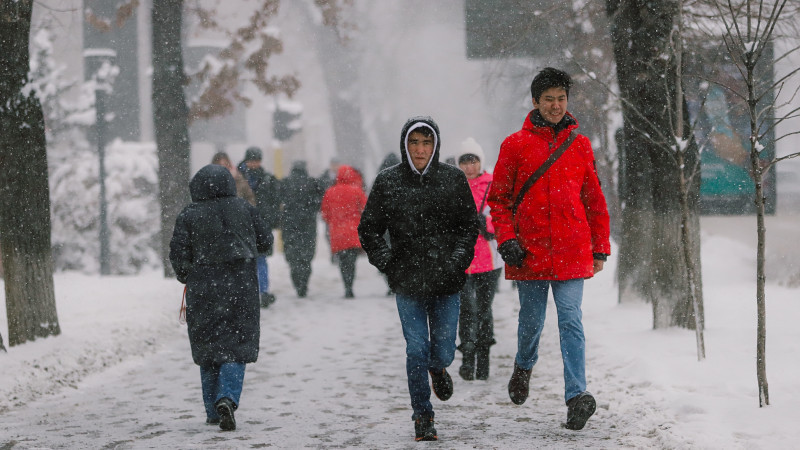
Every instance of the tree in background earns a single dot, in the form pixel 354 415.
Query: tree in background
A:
pixel 652 266
pixel 751 28
pixel 25 202
pixel 171 118
pixel 246 57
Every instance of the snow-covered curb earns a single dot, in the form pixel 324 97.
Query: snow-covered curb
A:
pixel 135 317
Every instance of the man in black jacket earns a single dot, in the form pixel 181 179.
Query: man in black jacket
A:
pixel 265 187
pixel 428 210
pixel 301 196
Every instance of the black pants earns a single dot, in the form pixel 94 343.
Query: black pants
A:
pixel 347 265
pixel 298 248
pixel 475 320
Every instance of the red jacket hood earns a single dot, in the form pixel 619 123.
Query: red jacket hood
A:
pixel 348 175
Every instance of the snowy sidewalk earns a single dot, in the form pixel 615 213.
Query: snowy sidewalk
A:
pixel 331 374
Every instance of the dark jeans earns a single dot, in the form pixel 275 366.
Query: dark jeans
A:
pixel 347 265
pixel 427 348
pixel 222 381
pixel 475 321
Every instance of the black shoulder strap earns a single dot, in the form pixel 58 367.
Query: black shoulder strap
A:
pixel 542 169
pixel 485 193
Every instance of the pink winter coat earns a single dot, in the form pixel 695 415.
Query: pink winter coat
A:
pixel 486 257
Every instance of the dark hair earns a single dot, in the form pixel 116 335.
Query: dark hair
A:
pixel 468 158
pixel 425 131
pixel 219 156
pixel 550 78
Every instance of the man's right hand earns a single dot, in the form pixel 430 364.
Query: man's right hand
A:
pixel 513 254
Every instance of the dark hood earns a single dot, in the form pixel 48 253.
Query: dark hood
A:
pixel 212 181
pixel 407 128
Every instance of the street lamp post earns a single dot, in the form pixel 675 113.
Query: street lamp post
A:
pixel 100 62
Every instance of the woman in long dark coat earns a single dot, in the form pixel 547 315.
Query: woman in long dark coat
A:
pixel 213 250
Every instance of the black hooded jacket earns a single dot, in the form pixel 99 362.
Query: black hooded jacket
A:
pixel 213 249
pixel 431 222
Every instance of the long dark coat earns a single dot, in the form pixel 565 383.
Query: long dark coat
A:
pixel 213 250
pixel 431 222
pixel 301 196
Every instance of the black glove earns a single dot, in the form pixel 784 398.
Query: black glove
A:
pixel 511 252
pixel 482 228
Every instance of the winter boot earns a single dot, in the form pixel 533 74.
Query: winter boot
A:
pixel 518 385
pixel 467 369
pixel 424 430
pixel 225 409
pixel 482 364
pixel 442 384
pixel 580 408
pixel 267 299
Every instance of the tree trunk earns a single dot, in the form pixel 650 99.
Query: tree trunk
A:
pixel 651 265
pixel 170 115
pixel 340 63
pixel 25 202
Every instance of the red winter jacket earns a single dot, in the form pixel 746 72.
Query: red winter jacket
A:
pixel 562 219
pixel 341 209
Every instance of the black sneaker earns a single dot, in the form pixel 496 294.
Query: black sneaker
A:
pixel 580 408
pixel 424 430
pixel 518 385
pixel 225 409
pixel 442 384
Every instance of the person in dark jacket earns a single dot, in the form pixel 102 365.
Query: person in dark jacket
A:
pixel 390 160
pixel 428 210
pixel 213 251
pixel 266 189
pixel 301 196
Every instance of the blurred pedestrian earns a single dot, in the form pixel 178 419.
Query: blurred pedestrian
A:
pixel 213 251
pixel 301 196
pixel 427 209
pixel 341 210
pixel 242 186
pixel 553 229
pixel 266 190
pixel 475 322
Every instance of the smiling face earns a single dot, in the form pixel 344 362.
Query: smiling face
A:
pixel 552 104
pixel 420 149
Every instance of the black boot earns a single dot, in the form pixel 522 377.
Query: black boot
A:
pixel 424 430
pixel 467 369
pixel 482 364
pixel 518 385
pixel 580 408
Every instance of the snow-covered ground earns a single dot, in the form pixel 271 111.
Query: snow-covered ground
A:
pixel 331 372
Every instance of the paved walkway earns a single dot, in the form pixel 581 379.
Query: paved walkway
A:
pixel 331 374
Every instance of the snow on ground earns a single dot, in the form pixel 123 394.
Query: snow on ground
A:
pixel 331 372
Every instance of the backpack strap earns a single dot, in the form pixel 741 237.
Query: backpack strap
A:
pixel 542 169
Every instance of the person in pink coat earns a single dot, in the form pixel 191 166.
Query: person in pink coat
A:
pixel 341 209
pixel 475 321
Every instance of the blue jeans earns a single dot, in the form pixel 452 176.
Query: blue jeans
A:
pixel 426 349
pixel 220 382
pixel 263 274
pixel 568 296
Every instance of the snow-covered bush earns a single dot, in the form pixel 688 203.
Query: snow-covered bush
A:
pixel 132 199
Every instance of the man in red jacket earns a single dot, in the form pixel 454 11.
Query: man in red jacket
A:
pixel 555 237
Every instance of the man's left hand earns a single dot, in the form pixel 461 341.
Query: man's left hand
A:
pixel 598 265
